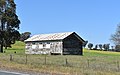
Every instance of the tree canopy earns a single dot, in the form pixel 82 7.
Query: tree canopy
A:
pixel 115 38
pixel 90 45
pixel 24 36
pixel 106 46
pixel 9 23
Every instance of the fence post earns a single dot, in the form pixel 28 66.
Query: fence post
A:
pixel 45 60
pixel 11 57
pixel 118 66
pixel 66 61
pixel 26 59
pixel 88 63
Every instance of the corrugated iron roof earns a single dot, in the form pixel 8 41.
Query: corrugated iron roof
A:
pixel 53 36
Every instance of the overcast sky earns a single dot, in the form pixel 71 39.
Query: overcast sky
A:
pixel 93 20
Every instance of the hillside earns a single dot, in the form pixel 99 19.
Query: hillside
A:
pixel 91 63
pixel 18 47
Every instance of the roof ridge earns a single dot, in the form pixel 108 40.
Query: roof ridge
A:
pixel 50 36
pixel 53 33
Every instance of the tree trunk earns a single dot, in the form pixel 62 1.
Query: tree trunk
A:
pixel 1 48
pixel 5 47
pixel 2 28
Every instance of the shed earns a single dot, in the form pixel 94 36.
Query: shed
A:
pixel 67 43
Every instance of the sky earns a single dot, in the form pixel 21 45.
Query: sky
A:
pixel 93 20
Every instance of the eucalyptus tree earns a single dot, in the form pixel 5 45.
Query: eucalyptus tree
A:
pixel 9 23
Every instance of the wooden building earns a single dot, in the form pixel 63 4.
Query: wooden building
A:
pixel 68 43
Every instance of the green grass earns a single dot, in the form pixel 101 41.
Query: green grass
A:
pixel 18 47
pixel 91 63
pixel 99 53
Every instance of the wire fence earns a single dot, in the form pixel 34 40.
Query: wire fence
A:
pixel 93 63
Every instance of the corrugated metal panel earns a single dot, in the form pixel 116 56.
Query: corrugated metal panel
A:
pixel 54 36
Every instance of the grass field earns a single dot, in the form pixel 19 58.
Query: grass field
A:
pixel 91 63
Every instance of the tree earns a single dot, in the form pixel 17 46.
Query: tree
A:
pixel 10 38
pixel 85 43
pixel 90 45
pixel 100 46
pixel 117 48
pixel 106 46
pixel 115 38
pixel 96 46
pixel 24 36
pixel 9 23
pixel 112 47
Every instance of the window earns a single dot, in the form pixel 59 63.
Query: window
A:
pixel 40 43
pixel 44 45
pixel 48 42
pixel 33 43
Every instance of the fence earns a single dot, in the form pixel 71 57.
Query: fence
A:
pixel 94 63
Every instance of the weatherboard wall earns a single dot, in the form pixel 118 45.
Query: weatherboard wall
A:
pixel 44 47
